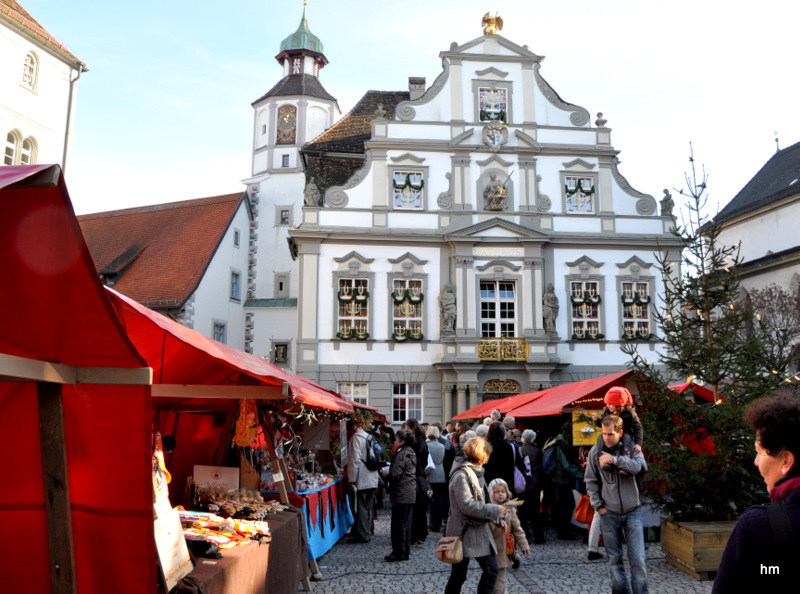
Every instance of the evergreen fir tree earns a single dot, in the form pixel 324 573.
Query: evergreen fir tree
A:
pixel 700 454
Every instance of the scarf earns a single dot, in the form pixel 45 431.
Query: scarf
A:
pixel 782 489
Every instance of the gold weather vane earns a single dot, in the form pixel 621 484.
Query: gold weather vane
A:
pixel 492 24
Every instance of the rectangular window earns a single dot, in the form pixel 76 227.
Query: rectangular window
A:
pixel 355 391
pixel 579 194
pixel 236 238
pixel 284 216
pixel 236 279
pixel 285 161
pixel 407 309
pixel 493 104
pixel 407 189
pixel 219 332
pixel 498 309
pixel 585 298
pixel 280 353
pixel 406 402
pixel 635 311
pixel 353 310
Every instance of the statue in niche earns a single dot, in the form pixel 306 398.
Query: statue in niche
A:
pixel 447 305
pixel 495 194
pixel 550 309
pixel 311 195
pixel 667 204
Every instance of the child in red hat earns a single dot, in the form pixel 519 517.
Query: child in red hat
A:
pixel 619 402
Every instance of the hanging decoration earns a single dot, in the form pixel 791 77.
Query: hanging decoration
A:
pixel 246 423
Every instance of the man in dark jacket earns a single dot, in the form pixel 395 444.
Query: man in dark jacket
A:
pixel 611 470
pixel 402 479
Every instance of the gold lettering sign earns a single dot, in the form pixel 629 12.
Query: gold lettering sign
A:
pixel 499 252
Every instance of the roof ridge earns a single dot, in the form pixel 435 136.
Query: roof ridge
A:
pixel 164 206
pixel 23 18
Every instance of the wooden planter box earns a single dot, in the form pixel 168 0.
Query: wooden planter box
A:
pixel 695 547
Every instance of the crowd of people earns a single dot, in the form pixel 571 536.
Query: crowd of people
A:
pixel 496 488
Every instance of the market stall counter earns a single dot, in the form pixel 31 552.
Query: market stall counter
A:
pixel 326 513
pixel 247 568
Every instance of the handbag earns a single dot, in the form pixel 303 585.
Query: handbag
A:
pixel 519 479
pixel 450 549
pixel 431 466
pixel 584 512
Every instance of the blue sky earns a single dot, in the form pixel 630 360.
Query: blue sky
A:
pixel 164 113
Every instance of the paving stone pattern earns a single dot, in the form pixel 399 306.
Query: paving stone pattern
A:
pixel 556 566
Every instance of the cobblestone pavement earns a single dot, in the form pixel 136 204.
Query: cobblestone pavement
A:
pixel 556 566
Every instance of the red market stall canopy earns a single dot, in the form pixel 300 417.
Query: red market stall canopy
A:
pixel 584 394
pixel 187 364
pixel 74 385
pixel 502 404
pixel 696 389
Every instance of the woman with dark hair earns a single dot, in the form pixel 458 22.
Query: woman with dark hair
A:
pixel 503 458
pixel 419 525
pixel 402 479
pixel 764 547
pixel 470 515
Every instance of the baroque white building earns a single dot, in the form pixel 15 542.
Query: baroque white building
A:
pixel 38 85
pixel 424 274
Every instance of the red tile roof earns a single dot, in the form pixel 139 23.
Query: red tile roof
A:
pixel 159 253
pixel 11 10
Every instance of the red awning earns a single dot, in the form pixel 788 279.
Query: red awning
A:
pixel 700 391
pixel 550 402
pixel 182 356
pixel 502 404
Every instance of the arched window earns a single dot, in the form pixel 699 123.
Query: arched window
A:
pixel 30 71
pixel 12 148
pixel 27 155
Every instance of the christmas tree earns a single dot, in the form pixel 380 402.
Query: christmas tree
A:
pixel 700 453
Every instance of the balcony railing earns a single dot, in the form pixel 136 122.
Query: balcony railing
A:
pixel 503 349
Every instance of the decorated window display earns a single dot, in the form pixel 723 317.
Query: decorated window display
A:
pixel 353 309
pixel 585 299
pixel 493 104
pixel 635 311
pixel 407 310
pixel 580 193
pixel 407 190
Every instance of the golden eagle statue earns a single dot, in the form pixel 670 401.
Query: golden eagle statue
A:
pixel 492 24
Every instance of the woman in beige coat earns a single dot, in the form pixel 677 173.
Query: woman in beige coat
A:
pixel 470 515
pixel 500 494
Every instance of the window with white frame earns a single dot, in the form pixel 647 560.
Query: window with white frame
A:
pixel 498 313
pixel 236 286
pixel 406 402
pixel 220 332
pixel 284 160
pixel 355 391
pixel 579 194
pixel 635 311
pixel 406 309
pixel 585 300
pixel 30 71
pixel 407 190
pixel 353 309
pixel 27 155
pixel 11 148
pixel 492 104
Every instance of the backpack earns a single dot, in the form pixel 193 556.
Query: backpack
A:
pixel 375 459
pixel 549 460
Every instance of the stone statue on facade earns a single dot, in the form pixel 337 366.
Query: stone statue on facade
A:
pixel 447 305
pixel 550 309
pixel 311 195
pixel 495 194
pixel 667 204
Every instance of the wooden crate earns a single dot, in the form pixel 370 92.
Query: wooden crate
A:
pixel 695 547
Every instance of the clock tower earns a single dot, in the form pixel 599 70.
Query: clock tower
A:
pixel 293 112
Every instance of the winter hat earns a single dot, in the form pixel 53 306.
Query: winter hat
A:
pixel 499 482
pixel 618 396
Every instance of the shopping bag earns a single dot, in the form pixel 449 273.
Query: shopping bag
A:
pixel 450 550
pixel 584 512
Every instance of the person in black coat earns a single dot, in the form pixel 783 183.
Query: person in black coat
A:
pixel 760 555
pixel 532 459
pixel 419 525
pixel 402 480
pixel 502 459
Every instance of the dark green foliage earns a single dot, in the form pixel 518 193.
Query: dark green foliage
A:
pixel 700 454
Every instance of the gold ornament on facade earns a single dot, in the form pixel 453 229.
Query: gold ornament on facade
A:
pixel 502 387
pixel 492 24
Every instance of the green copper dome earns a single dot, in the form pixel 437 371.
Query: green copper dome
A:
pixel 303 39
